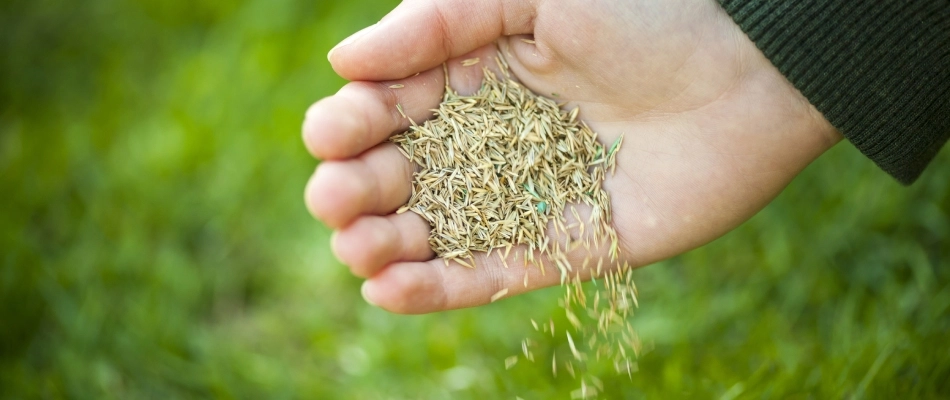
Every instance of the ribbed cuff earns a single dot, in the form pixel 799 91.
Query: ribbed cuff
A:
pixel 879 71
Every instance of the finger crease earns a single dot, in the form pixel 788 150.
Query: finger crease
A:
pixel 390 100
pixel 375 189
pixel 443 26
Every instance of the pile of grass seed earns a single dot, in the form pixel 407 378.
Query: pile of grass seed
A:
pixel 502 167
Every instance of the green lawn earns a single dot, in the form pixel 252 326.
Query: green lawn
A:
pixel 155 244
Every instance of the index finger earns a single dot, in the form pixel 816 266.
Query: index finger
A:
pixel 363 114
pixel 422 34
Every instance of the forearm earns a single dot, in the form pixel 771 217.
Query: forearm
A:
pixel 878 71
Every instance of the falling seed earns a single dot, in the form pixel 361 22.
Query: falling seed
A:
pixel 584 392
pixel 528 41
pixel 511 361
pixel 575 322
pixel 574 351
pixel 470 62
pixel 397 86
pixel 597 383
pixel 501 293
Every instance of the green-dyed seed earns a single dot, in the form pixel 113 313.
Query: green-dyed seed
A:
pixel 531 191
pixel 615 146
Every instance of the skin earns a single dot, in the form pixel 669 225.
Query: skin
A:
pixel 713 132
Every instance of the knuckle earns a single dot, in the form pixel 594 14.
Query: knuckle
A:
pixel 331 131
pixel 311 197
pixel 416 237
pixel 495 275
pixel 370 243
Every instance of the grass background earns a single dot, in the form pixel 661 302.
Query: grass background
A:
pixel 155 244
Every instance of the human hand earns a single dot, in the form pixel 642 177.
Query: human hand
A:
pixel 713 131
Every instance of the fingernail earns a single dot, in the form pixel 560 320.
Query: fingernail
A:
pixel 363 293
pixel 351 39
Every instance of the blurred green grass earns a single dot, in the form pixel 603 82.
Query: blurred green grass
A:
pixel 155 243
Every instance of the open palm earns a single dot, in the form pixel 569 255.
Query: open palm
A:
pixel 713 131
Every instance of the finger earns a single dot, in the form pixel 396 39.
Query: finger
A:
pixel 424 287
pixel 363 114
pixel 377 182
pixel 421 34
pixel 371 242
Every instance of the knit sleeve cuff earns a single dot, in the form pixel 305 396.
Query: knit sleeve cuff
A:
pixel 879 71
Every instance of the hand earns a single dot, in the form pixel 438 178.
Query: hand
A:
pixel 713 131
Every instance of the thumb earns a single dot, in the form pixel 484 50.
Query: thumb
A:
pixel 421 34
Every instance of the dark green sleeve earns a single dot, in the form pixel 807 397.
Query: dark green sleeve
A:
pixel 879 70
